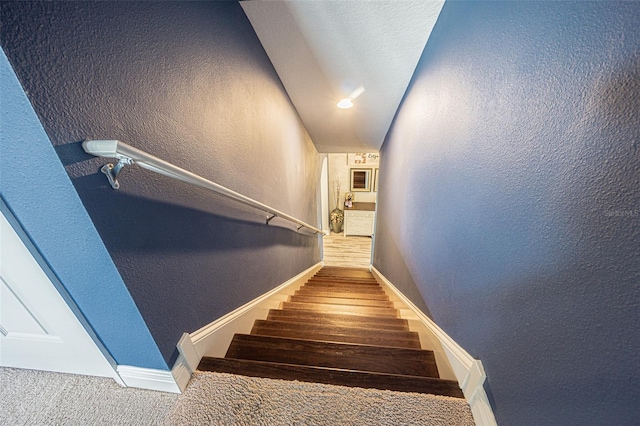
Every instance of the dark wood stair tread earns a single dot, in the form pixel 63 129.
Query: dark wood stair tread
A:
pixel 333 333
pixel 342 309
pixel 326 285
pixel 355 282
pixel 342 301
pixel 332 376
pixel 343 288
pixel 319 292
pixel 298 315
pixel 380 359
pixel 369 278
pixel 355 276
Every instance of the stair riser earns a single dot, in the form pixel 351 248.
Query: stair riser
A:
pixel 341 301
pixel 338 309
pixel 347 288
pixel 339 294
pixel 343 288
pixel 338 320
pixel 332 377
pixel 333 355
pixel 348 274
pixel 394 343
pixel 393 338
pixel 339 277
pixel 339 281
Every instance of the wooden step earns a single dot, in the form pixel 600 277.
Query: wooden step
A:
pixel 336 285
pixel 343 288
pixel 332 376
pixel 332 333
pixel 379 359
pixel 338 320
pixel 359 286
pixel 342 309
pixel 343 278
pixel 342 301
pixel 318 292
pixel 345 272
pixel 353 281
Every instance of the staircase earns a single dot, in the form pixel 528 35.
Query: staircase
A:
pixel 339 328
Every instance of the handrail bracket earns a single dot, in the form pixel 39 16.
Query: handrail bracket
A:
pixel 112 171
pixel 271 217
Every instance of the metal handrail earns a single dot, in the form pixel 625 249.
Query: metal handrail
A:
pixel 127 155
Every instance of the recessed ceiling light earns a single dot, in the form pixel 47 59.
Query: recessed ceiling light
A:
pixel 345 103
pixel 348 101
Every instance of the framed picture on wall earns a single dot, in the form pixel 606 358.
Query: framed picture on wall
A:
pixel 361 180
pixel 375 180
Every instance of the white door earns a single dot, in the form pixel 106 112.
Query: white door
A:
pixel 38 330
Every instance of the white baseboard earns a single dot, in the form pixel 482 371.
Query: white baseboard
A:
pixel 148 378
pixel 468 371
pixel 213 339
pixel 186 363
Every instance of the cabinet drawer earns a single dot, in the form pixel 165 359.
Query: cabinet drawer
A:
pixel 359 214
pixel 358 222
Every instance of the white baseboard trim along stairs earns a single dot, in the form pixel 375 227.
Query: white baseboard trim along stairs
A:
pixel 468 371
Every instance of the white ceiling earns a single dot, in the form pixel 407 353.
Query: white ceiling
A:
pixel 323 50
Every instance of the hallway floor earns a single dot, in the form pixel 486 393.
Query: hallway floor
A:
pixel 347 251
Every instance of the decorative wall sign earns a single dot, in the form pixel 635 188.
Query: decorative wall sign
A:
pixel 363 159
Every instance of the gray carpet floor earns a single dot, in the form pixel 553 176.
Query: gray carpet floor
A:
pixel 29 397
pixel 41 398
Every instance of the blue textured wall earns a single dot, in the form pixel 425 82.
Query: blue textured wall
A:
pixel 36 188
pixel 518 145
pixel 190 83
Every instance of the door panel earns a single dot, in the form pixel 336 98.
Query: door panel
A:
pixel 38 330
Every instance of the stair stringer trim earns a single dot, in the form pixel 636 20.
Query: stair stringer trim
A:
pixel 468 371
pixel 214 338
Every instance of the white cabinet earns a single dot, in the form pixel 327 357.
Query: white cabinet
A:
pixel 359 220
